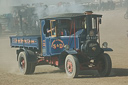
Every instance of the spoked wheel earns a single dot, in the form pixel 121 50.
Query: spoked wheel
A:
pixel 25 66
pixel 105 65
pixel 72 66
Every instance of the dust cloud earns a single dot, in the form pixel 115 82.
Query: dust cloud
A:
pixel 8 58
pixel 11 9
pixel 49 8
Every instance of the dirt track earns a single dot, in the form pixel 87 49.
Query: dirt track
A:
pixel 113 30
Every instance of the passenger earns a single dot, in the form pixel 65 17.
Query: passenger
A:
pixel 63 32
pixel 51 30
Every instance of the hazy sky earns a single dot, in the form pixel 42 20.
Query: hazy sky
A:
pixel 5 4
pixel 18 2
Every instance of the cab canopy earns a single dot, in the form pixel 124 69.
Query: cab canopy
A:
pixel 69 16
pixel 71 23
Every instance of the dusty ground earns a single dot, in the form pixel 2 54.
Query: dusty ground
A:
pixel 113 30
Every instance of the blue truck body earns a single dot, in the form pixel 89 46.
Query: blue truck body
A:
pixel 68 41
pixel 49 46
pixel 25 41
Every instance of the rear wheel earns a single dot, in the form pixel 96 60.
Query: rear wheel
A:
pixel 25 66
pixel 105 65
pixel 72 66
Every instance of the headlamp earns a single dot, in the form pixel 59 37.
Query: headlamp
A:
pixel 105 45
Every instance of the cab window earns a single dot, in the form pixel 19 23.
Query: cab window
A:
pixel 53 28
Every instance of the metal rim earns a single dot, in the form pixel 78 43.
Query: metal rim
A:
pixel 69 66
pixel 22 63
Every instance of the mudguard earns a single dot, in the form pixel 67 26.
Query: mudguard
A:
pixel 71 51
pixel 31 56
pixel 107 49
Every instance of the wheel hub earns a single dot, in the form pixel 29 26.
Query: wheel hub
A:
pixel 23 64
pixel 69 66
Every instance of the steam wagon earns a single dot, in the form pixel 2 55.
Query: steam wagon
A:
pixel 69 41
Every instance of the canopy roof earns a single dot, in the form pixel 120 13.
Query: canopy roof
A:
pixel 68 15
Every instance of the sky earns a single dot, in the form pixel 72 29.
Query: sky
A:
pixel 18 2
pixel 5 4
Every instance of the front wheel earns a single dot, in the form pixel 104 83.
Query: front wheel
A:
pixel 105 65
pixel 72 66
pixel 25 66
